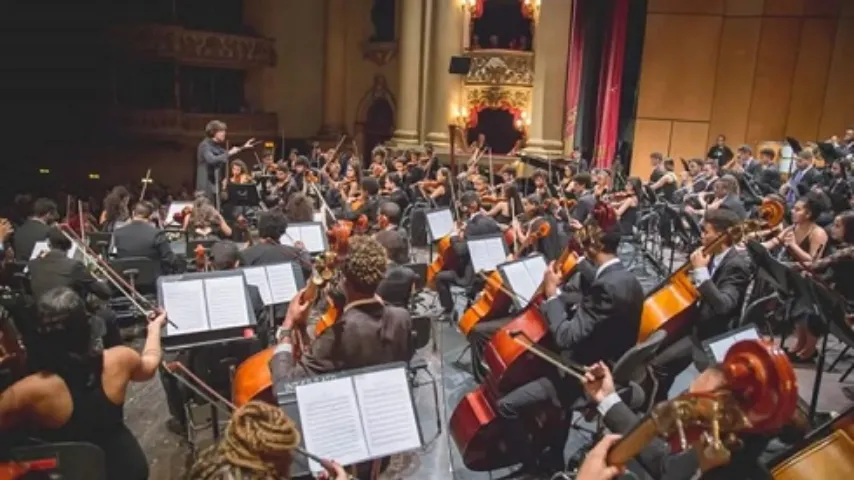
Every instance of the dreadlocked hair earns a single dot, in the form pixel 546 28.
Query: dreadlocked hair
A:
pixel 365 265
pixel 256 446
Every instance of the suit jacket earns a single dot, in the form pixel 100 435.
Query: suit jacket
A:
pixel 477 226
pixel 584 206
pixel 657 460
pixel 753 168
pixel 209 157
pixel 142 239
pixel 734 204
pixel 26 236
pixel 722 296
pixel 769 179
pixel 271 253
pixel 396 287
pixel 55 269
pixel 606 323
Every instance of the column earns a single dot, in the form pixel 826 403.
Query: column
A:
pixel 551 54
pixel 409 57
pixel 445 89
pixel 334 70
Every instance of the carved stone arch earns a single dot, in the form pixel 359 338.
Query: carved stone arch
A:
pixel 376 116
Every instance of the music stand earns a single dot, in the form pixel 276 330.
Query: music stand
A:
pixel 828 152
pixel 770 269
pixel 311 234
pixel 523 277
pixel 440 223
pixel 243 194
pixel 487 252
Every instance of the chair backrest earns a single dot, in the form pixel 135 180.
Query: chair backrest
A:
pixel 143 270
pixel 631 367
pixel 74 460
pixel 420 334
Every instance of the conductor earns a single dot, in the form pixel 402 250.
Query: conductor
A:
pixel 212 155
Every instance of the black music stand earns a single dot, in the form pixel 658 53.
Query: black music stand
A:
pixel 243 194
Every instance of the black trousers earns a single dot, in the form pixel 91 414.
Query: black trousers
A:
pixel 553 389
pixel 672 361
pixel 478 338
pixel 444 280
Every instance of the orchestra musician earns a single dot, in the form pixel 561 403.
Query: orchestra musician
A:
pixel 204 221
pixel 581 187
pixel 802 179
pixel 399 282
pixel 34 229
pixel 477 224
pixel 720 153
pixel 139 238
pixel 272 225
pixel 721 280
pixel 212 155
pixel 510 205
pixel 542 187
pixel 438 191
pixel 116 211
pixel 280 187
pixel 534 214
pixel 726 196
pixel 602 328
pixel 393 183
pixel 626 205
pixel 769 179
pixel 367 202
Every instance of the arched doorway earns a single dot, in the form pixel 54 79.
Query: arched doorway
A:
pixel 499 129
pixel 375 117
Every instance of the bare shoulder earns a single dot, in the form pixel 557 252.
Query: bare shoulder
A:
pixel 120 357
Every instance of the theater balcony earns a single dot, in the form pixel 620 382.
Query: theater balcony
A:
pixel 175 125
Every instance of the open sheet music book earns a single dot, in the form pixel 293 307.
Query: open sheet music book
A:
pixel 523 277
pixel 43 246
pixel 487 252
pixel 312 235
pixel 204 302
pixel 440 223
pixel 277 283
pixel 360 417
pixel 175 207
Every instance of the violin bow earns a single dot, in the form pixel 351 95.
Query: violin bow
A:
pixel 570 368
pixel 145 181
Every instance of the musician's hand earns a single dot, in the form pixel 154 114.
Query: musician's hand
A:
pixel 788 237
pixel 551 280
pixel 574 224
pixel 6 229
pixel 710 380
pixel 340 473
pixel 594 466
pixel 233 150
pixel 299 244
pixel 156 320
pixel 699 259
pixel 298 311
pixel 598 382
pixel 248 143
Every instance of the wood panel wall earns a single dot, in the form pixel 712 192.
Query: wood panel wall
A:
pixel 753 70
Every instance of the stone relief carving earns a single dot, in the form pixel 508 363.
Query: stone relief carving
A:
pixel 501 67
pixel 193 46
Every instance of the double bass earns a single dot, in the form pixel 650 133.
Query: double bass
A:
pixel 667 307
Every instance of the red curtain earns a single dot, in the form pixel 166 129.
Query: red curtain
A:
pixel 610 85
pixel 573 72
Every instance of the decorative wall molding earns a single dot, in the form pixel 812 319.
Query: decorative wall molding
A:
pixel 513 98
pixel 501 67
pixel 193 47
pixel 379 53
pixel 174 123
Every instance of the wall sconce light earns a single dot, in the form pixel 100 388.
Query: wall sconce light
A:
pixel 470 5
pixel 523 122
pixel 531 8
pixel 460 116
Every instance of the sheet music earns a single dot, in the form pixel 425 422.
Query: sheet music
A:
pixel 722 346
pixel 175 207
pixel 312 237
pixel 38 248
pixel 330 421
pixel 440 223
pixel 257 276
pixel 283 283
pixel 184 302
pixel 387 412
pixel 525 277
pixel 487 253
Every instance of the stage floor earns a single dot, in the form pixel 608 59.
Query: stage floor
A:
pixel 146 412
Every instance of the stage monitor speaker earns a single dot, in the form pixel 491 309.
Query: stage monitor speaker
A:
pixel 460 65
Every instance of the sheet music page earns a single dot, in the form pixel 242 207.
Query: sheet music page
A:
pixel 38 248
pixel 520 282
pixel 184 302
pixel 441 223
pixel 257 276
pixel 175 207
pixel 226 298
pixel 291 236
pixel 330 421
pixel 486 254
pixel 312 237
pixel 536 267
pixel 387 412
pixel 283 283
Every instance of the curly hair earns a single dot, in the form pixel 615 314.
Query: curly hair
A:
pixel 365 265
pixel 257 446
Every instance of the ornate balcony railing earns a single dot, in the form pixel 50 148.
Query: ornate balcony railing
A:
pixel 193 47
pixel 176 124
pixel 510 68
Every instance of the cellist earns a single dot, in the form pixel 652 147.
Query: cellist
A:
pixel 477 224
pixel 603 328
pixel 721 280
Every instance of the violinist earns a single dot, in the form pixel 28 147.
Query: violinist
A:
pixel 535 214
pixel 478 224
pixel 602 182
pixel 204 222
pixel 272 225
pixel 368 331
pixel 298 179
pixel 569 172
pixel 581 187
pixel 662 180
pixel 267 166
pixel 280 188
pixel 721 278
pixel 510 205
pixel 393 190
pixel 139 238
pixel 508 174
pixel 602 328
pixel 692 181
pixel 542 187
pixel 115 211
pixel 769 179
pixel 626 205
pixel 239 174
pixel 438 191
pixel 367 203
pixel 378 165
pixel 725 197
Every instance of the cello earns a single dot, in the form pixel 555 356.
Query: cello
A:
pixel 666 308
pixel 252 378
pixel 827 452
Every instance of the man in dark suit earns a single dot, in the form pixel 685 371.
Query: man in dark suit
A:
pixel 399 282
pixel 139 238
pixel 582 187
pixel 725 197
pixel 802 179
pixel 271 226
pixel 478 225
pixel 34 229
pixel 603 328
pixel 370 202
pixel 211 155
pixel 721 280
pixel 769 178
pixel 749 165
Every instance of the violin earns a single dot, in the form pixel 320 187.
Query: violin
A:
pixel 382 222
pixel 429 184
pixel 665 308
pixel 334 307
pixel 180 216
pixel 200 256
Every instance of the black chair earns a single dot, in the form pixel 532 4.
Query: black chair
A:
pixel 140 272
pixel 420 336
pixel 71 460
pixel 100 242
